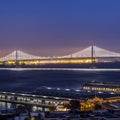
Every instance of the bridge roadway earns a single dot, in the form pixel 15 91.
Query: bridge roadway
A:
pixel 43 101
pixel 31 99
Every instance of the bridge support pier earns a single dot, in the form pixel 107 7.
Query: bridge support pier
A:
pixel 6 106
pixel 13 105
pixel 43 108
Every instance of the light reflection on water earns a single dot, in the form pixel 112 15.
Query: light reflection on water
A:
pixel 65 69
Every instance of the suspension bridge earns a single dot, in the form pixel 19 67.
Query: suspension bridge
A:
pixel 87 55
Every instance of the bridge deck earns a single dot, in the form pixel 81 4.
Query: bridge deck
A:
pixel 47 100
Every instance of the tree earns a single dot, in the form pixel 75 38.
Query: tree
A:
pixel 52 109
pixel 74 104
pixel 97 106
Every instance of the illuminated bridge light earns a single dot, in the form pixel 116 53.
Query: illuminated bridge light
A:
pixel 49 88
pixel 80 57
pixel 67 89
pixel 77 90
pixel 58 88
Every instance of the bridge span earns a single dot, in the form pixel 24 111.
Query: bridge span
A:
pixel 14 99
pixel 90 54
pixel 30 99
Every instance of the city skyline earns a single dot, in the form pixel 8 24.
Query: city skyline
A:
pixel 58 27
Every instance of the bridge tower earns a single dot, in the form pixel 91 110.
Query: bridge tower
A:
pixel 93 56
pixel 16 59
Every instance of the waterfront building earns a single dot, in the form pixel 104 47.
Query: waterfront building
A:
pixel 99 86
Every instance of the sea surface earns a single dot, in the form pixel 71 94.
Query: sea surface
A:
pixel 30 79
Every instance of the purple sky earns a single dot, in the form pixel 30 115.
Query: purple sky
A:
pixel 58 27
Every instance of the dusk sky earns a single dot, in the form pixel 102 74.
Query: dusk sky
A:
pixel 58 27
